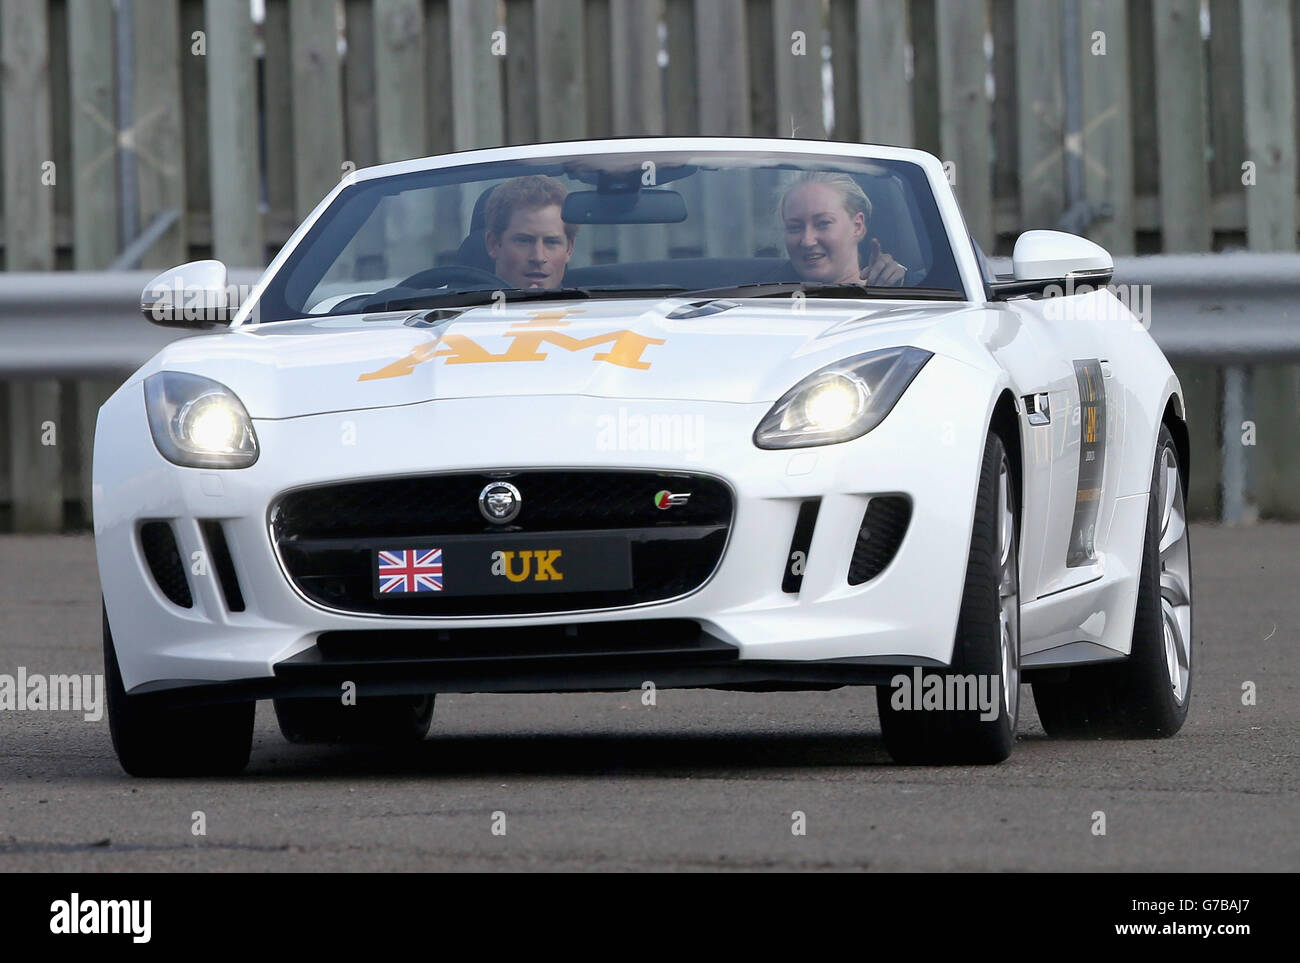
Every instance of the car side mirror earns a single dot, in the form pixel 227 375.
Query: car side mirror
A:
pixel 1055 256
pixel 193 295
pixel 1043 259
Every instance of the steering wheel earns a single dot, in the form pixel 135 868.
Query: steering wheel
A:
pixel 436 277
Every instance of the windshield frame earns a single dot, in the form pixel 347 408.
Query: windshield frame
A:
pixel 769 149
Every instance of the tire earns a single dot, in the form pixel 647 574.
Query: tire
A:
pixel 987 644
pixel 1147 695
pixel 375 720
pixel 152 740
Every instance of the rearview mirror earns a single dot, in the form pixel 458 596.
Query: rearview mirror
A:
pixel 632 207
pixel 193 295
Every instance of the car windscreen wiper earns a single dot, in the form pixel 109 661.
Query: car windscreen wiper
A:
pixel 816 289
pixel 479 296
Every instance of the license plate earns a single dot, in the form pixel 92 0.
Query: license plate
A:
pixel 510 565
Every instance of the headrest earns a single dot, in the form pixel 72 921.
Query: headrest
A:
pixel 473 250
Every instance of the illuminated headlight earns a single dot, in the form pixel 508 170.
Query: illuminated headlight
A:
pixel 198 422
pixel 842 401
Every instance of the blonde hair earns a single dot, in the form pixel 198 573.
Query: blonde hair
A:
pixel 855 198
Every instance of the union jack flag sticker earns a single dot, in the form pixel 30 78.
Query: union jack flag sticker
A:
pixel 410 570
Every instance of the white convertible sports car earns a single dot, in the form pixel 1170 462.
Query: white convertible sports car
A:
pixel 664 412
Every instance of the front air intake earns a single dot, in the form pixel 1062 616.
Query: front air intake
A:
pixel 797 558
pixel 158 542
pixel 879 536
pixel 214 534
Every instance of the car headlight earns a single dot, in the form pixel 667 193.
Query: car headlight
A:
pixel 198 422
pixel 842 401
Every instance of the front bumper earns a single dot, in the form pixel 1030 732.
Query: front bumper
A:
pixel 744 627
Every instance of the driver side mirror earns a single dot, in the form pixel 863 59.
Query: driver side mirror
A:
pixel 1045 258
pixel 193 295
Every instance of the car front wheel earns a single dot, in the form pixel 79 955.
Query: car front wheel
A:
pixel 978 694
pixel 157 740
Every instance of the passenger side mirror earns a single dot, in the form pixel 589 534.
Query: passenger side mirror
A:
pixel 193 295
pixel 1045 258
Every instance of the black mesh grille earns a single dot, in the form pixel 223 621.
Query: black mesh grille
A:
pixel 879 536
pixel 553 501
pixel 215 536
pixel 326 535
pixel 158 542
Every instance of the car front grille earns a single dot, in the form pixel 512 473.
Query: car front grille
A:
pixel 327 536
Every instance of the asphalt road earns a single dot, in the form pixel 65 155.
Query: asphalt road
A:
pixel 704 780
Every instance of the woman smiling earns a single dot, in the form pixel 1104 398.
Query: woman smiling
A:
pixel 825 217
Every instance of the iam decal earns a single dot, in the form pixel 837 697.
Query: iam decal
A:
pixel 625 347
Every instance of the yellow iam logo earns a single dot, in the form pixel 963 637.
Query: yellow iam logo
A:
pixel 625 347
pixel 503 563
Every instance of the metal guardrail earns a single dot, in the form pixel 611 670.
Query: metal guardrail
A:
pixel 1218 308
pixel 1228 310
pixel 63 324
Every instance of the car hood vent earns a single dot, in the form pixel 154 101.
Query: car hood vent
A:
pixel 700 309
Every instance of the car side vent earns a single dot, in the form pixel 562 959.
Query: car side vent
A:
pixel 158 542
pixel 797 558
pixel 879 536
pixel 219 551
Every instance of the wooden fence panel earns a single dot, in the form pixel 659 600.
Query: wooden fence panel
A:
pixel 1181 126
pixel 842 19
pixel 884 100
pixel 1006 129
pixel 562 87
pixel 1040 106
pixel 232 136
pixel 361 139
pixel 317 103
pixel 279 64
pixel 59 71
pixel 159 136
pixel 638 103
pixel 681 81
pixel 475 76
pixel 759 43
pixel 925 76
pixel 94 135
pixel 682 117
pixel 30 180
pixel 194 101
pixel 797 54
pixel 1107 122
pixel 965 123
pixel 522 61
pixel 399 55
pixel 1227 127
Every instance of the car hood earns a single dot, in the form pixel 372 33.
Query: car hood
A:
pixel 732 351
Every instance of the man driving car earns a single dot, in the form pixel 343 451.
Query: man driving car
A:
pixel 526 238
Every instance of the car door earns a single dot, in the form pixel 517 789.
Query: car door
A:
pixel 1082 425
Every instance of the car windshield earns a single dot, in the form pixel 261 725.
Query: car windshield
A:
pixel 620 225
